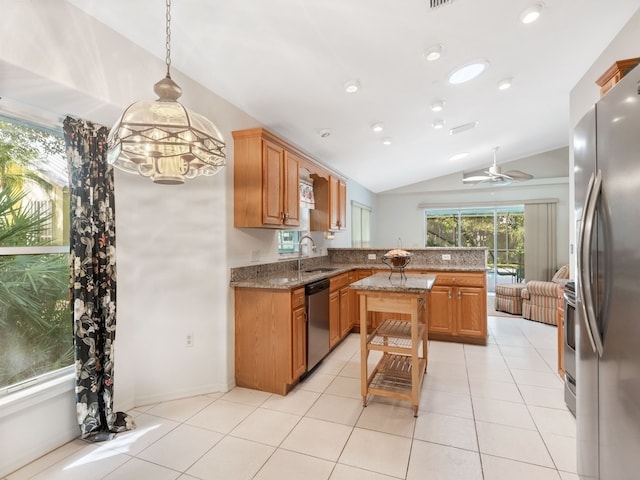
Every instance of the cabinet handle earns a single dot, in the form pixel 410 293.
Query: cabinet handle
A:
pixel 459 295
pixel 450 295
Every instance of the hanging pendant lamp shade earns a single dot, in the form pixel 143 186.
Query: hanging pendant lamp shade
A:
pixel 162 139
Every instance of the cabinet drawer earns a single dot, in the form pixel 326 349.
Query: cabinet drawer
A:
pixel 461 279
pixel 339 281
pixel 297 298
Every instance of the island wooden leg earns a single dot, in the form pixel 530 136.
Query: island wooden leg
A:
pixel 364 353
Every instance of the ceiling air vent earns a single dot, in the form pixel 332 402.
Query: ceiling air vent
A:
pixel 439 3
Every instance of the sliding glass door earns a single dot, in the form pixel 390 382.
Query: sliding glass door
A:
pixel 499 230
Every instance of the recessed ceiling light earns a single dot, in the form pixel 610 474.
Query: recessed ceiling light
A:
pixel 352 86
pixel 325 132
pixel 532 13
pixel 386 141
pixel 437 105
pixel 467 72
pixel 434 52
pixel 377 127
pixel 438 124
pixel 505 83
pixel 458 156
pixel 463 128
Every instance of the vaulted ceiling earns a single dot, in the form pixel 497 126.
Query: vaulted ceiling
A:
pixel 286 62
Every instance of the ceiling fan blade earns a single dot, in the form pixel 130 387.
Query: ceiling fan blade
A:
pixel 501 176
pixel 518 175
pixel 476 179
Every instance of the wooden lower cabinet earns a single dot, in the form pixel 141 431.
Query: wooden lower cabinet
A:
pixel 340 297
pixel 458 307
pixel 345 312
pixel 299 342
pixel 270 338
pixel 334 318
pixel 472 312
pixel 441 314
pixel 353 297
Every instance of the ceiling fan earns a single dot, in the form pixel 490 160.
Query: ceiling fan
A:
pixel 495 175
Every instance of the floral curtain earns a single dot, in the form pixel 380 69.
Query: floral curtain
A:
pixel 93 278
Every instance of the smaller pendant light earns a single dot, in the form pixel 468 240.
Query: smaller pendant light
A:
pixel 162 139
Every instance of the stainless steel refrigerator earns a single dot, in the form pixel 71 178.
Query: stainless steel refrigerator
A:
pixel 607 202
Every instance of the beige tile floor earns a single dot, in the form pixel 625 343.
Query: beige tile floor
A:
pixel 486 413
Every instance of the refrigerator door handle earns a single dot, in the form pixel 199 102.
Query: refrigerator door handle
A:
pixel 581 268
pixel 585 256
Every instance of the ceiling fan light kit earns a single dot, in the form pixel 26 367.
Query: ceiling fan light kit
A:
pixel 494 175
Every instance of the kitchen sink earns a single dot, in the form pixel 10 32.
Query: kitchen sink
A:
pixel 320 270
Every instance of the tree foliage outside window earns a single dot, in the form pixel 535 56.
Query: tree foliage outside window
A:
pixel 499 230
pixel 35 323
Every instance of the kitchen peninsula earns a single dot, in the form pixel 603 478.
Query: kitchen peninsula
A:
pixel 270 316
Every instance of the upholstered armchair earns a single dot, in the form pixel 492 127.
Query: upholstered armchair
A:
pixel 541 301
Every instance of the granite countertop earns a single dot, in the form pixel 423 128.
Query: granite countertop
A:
pixel 381 282
pixel 293 279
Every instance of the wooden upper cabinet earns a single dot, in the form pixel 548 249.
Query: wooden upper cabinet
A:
pixel 339 204
pixel 291 197
pixel 330 213
pixel 266 182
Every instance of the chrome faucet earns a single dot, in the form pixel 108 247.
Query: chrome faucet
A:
pixel 313 248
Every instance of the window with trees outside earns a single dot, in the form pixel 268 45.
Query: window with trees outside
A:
pixel 499 230
pixel 36 333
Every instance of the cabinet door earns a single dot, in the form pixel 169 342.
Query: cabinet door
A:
pixel 342 205
pixel 334 318
pixel 355 299
pixel 298 343
pixel 291 193
pixel 334 203
pixel 472 313
pixel 441 311
pixel 345 312
pixel 272 175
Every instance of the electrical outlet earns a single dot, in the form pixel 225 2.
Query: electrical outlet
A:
pixel 255 255
pixel 371 256
pixel 446 256
pixel 188 340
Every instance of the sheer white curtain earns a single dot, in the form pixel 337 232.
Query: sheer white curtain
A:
pixel 540 250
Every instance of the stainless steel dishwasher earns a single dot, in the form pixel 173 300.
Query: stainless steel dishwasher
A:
pixel 317 305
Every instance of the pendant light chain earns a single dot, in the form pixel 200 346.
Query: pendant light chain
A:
pixel 162 139
pixel 168 41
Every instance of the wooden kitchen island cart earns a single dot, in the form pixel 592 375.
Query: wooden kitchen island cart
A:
pixel 393 320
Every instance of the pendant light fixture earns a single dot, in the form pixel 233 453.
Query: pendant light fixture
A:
pixel 162 139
